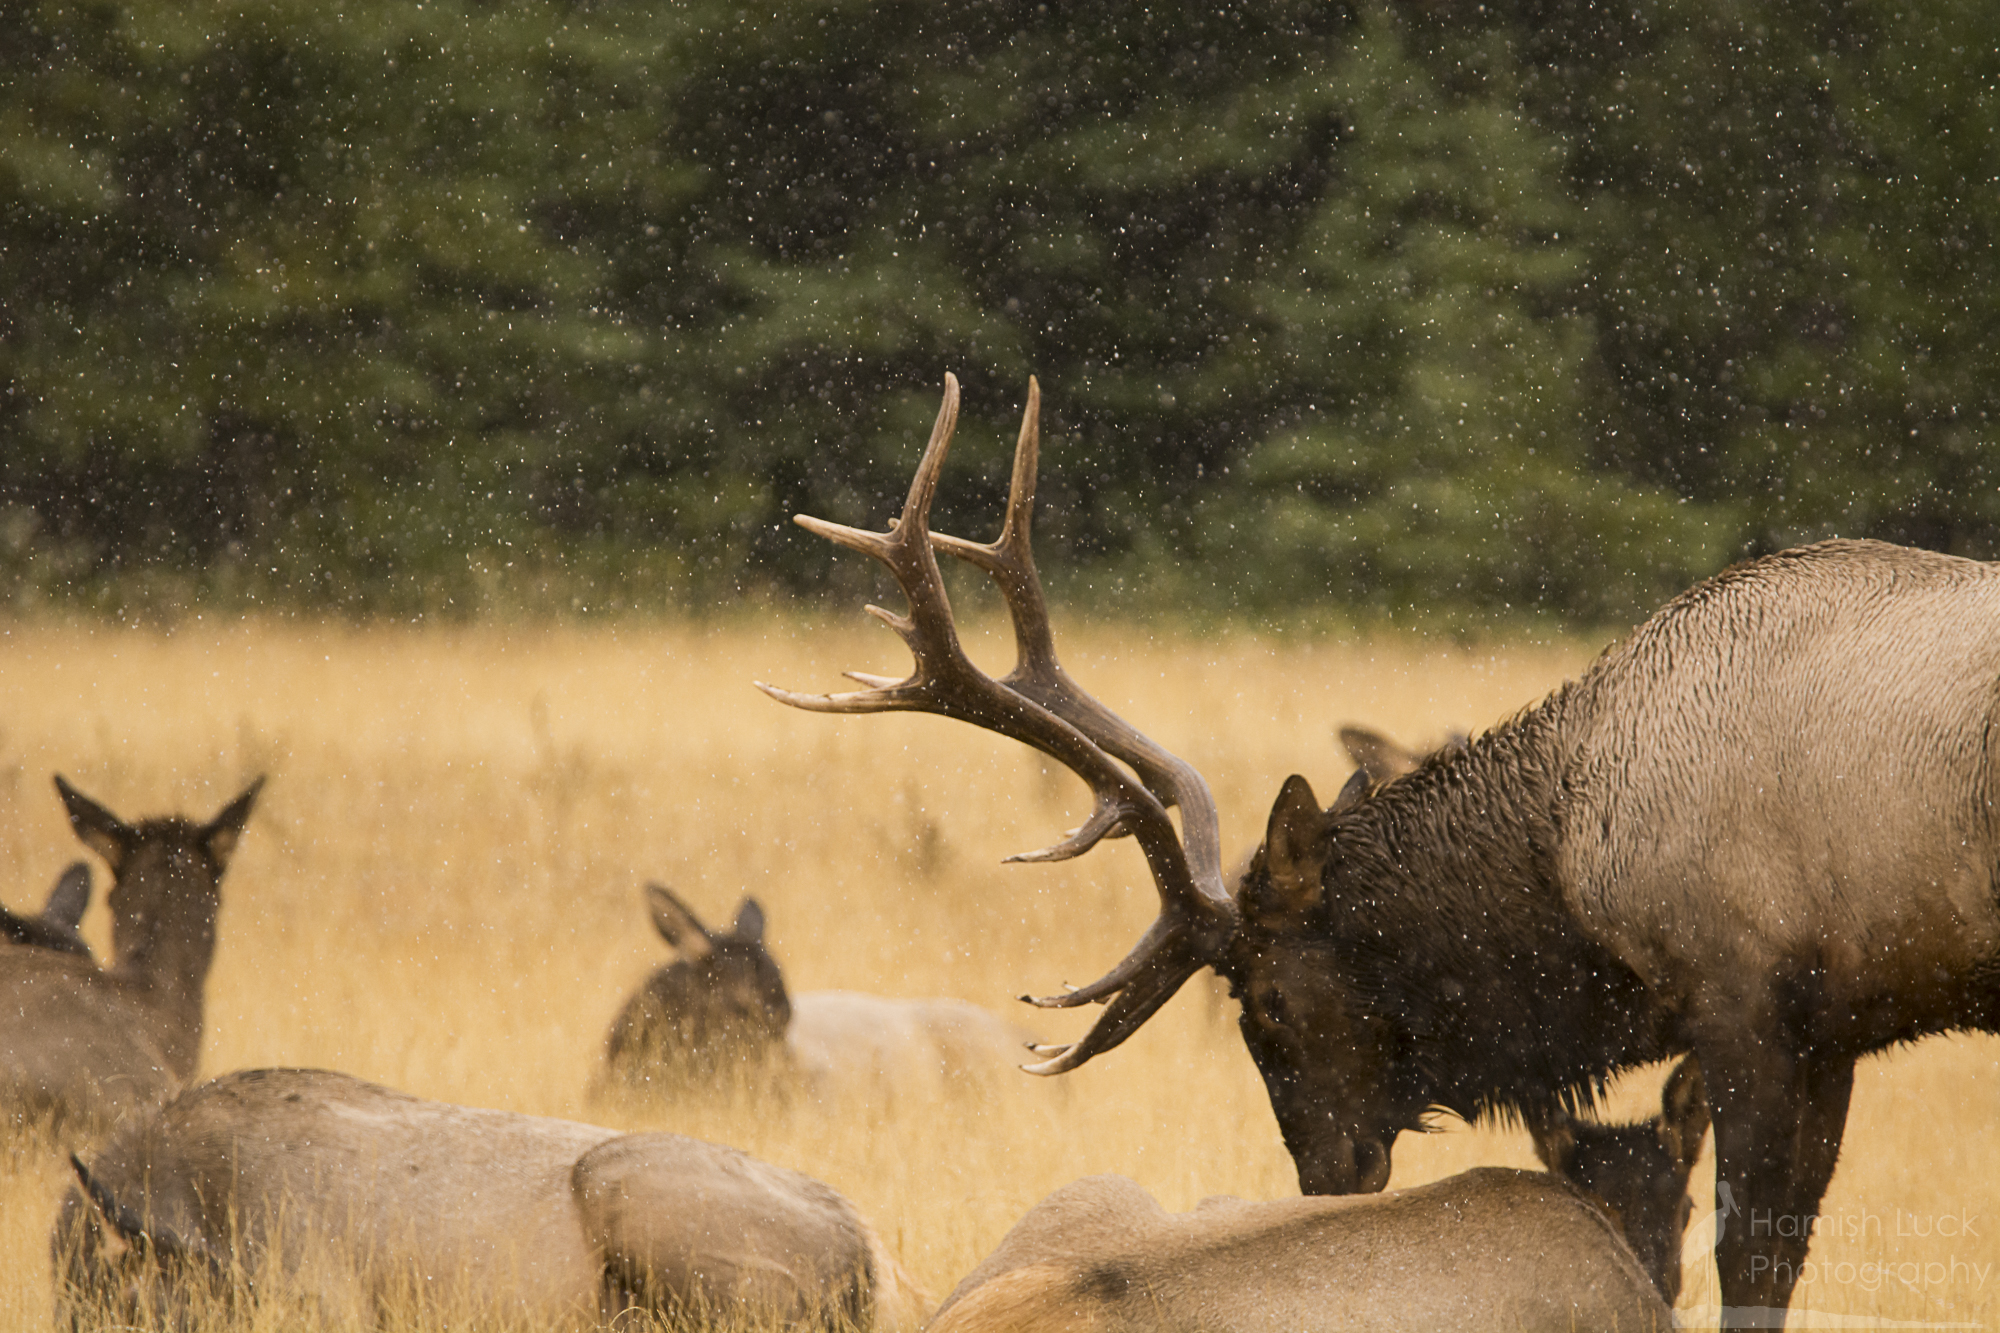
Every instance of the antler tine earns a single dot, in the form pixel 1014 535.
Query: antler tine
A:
pixel 1010 561
pixel 1136 1002
pixel 1037 705
pixel 928 631
pixel 945 681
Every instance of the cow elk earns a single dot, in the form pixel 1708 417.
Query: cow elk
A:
pixel 1761 828
pixel 719 1017
pixel 55 926
pixel 1638 1173
pixel 318 1198
pixel 79 1043
pixel 1491 1248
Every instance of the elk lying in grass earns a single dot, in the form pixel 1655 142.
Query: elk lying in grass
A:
pixel 1491 1248
pixel 719 1014
pixel 1762 828
pixel 345 1202
pixel 80 1043
pixel 55 926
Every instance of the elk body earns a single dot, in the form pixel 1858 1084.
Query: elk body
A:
pixel 1491 1248
pixel 79 1043
pixel 1763 828
pixel 354 1202
pixel 720 1012
pixel 55 926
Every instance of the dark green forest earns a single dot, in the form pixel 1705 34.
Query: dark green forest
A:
pixel 455 307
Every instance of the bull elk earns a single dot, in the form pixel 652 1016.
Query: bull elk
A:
pixel 79 1043
pixel 720 1011
pixel 318 1192
pixel 1490 1248
pixel 1761 828
pixel 55 926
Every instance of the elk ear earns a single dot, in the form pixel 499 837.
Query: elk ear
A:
pixel 677 924
pixel 219 835
pixel 1350 796
pixel 749 924
pixel 1296 846
pixel 1555 1142
pixel 96 827
pixel 161 1240
pixel 1684 1112
pixel 69 899
pixel 1375 754
pixel 122 1220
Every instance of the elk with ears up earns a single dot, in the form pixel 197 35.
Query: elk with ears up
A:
pixel 720 1015
pixel 80 1044
pixel 1762 828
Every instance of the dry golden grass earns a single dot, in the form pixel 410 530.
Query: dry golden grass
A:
pixel 439 891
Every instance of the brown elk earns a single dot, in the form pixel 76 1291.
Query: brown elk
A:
pixel 720 1012
pixel 80 1043
pixel 1761 828
pixel 315 1191
pixel 55 926
pixel 1491 1248
pixel 1638 1173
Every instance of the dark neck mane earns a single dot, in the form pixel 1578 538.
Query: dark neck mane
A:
pixel 1443 902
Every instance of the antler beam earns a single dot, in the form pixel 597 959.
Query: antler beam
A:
pixel 1039 705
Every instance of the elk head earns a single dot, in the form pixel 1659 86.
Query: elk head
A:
pixel 136 1271
pixel 1324 1058
pixel 165 872
pixel 1638 1172
pixel 721 1001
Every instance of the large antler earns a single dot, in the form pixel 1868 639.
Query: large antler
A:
pixel 1038 704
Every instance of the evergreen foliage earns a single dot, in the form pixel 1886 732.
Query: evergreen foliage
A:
pixel 453 305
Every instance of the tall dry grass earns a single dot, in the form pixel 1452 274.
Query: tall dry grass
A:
pixel 439 891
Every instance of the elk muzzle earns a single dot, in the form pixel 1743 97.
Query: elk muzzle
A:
pixel 1343 1164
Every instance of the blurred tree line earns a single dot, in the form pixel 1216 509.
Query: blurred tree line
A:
pixel 422 305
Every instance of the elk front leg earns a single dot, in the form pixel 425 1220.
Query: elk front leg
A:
pixel 1778 1125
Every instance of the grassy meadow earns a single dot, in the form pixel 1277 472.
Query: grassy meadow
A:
pixel 440 891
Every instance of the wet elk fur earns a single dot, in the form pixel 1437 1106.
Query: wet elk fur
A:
pixel 79 1043
pixel 314 1191
pixel 1490 1248
pixel 1762 828
pixel 719 1016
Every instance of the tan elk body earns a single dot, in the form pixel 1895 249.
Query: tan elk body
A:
pixel 352 1200
pixel 721 1012
pixel 1762 828
pixel 1489 1249
pixel 79 1043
